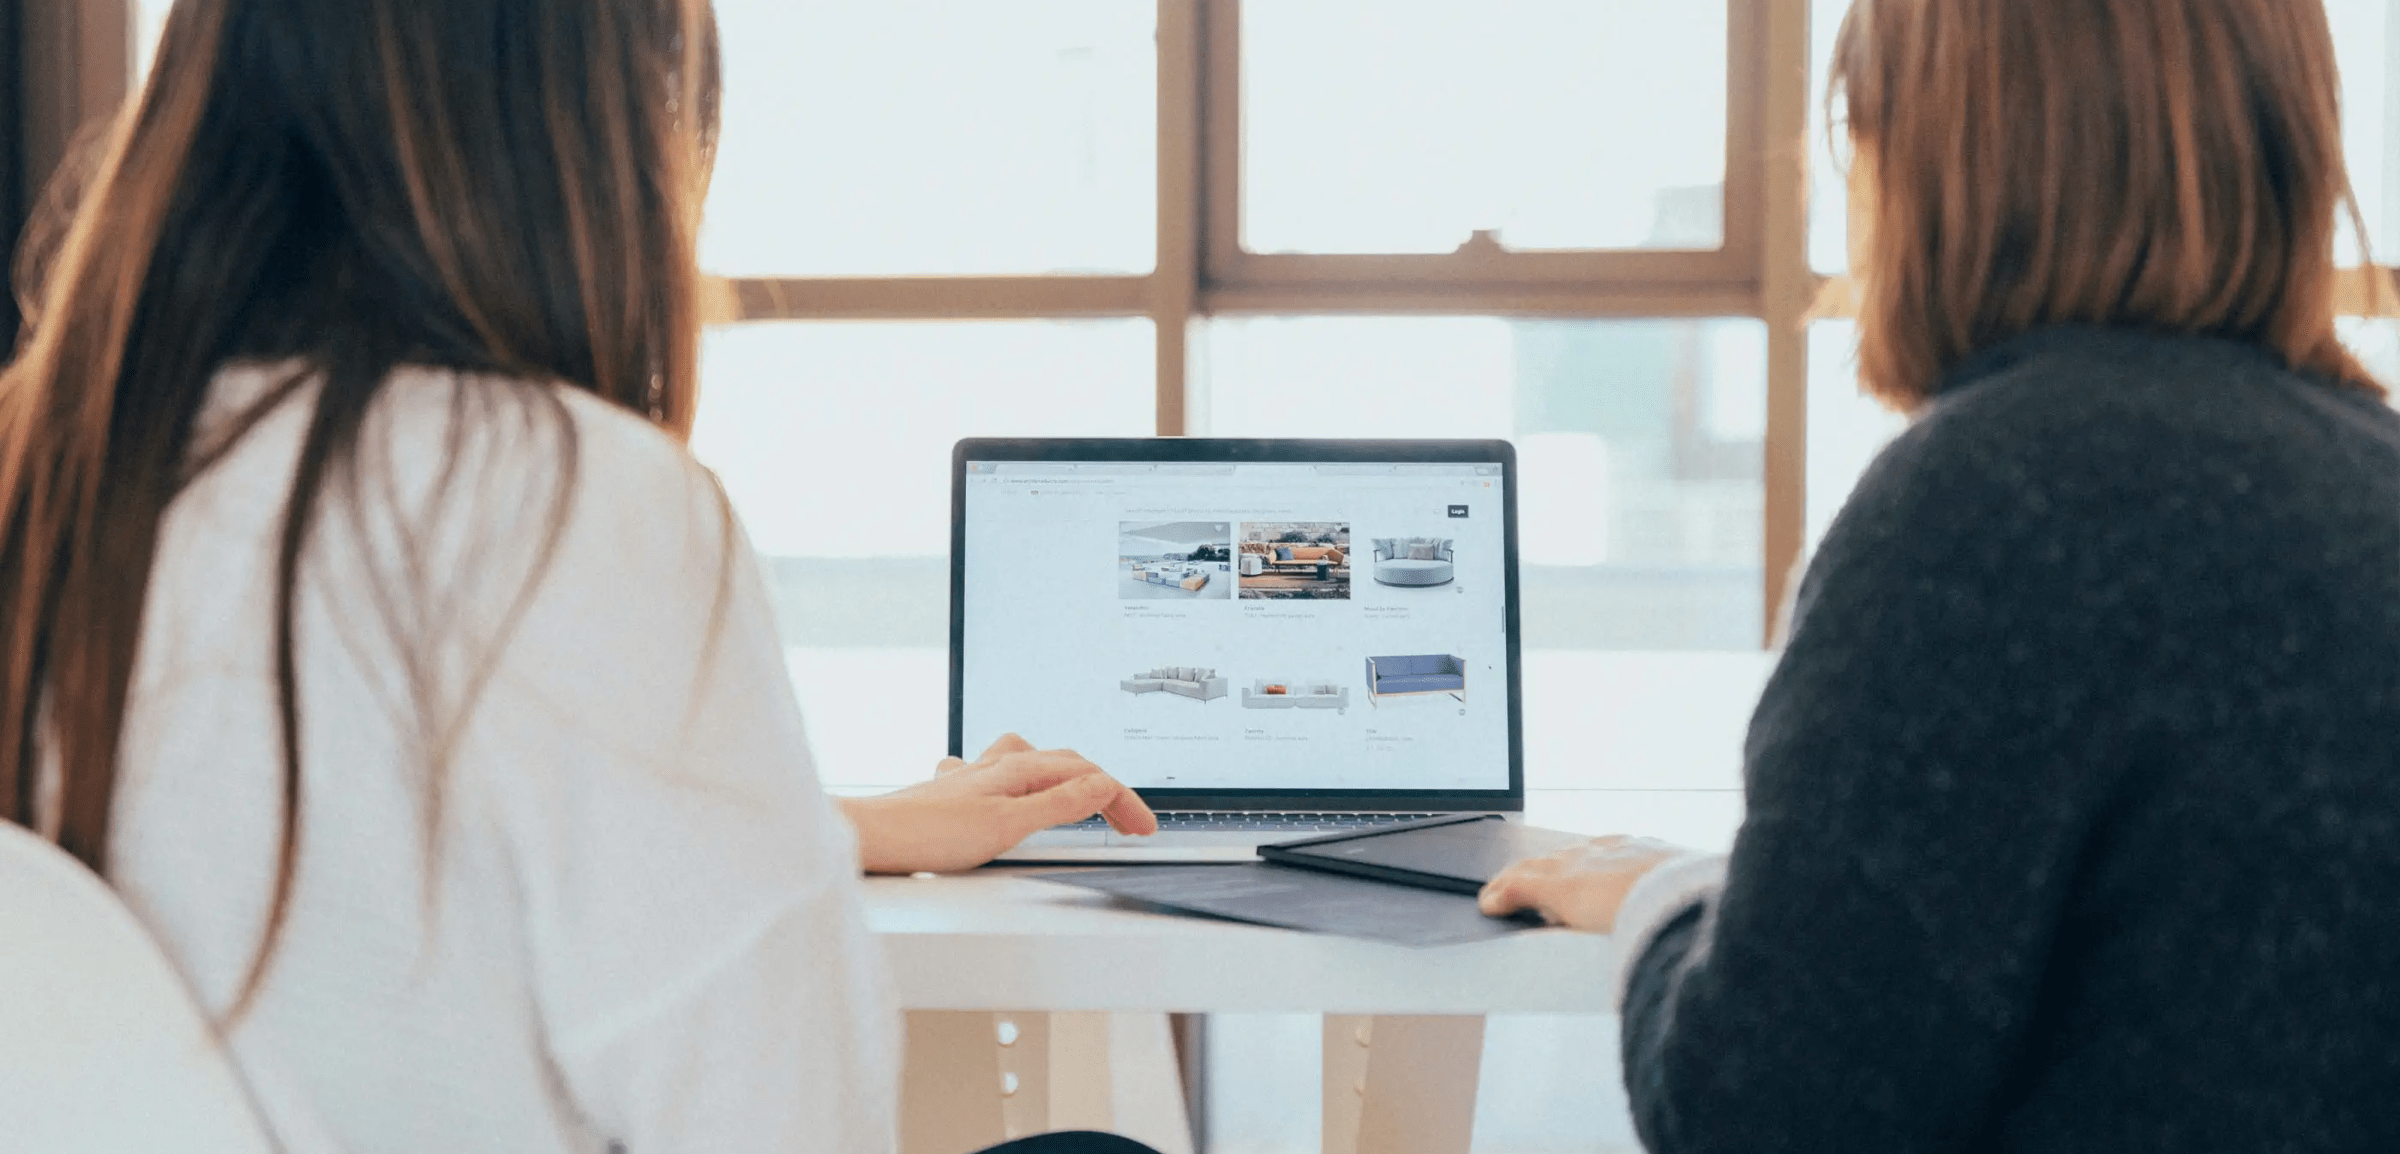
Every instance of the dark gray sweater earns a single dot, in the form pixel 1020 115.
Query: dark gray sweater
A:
pixel 2074 803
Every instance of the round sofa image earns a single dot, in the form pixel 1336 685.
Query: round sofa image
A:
pixel 1181 680
pixel 1413 562
pixel 1269 693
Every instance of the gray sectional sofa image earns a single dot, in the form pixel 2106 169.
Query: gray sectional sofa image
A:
pixel 1418 562
pixel 1283 693
pixel 1416 674
pixel 1183 680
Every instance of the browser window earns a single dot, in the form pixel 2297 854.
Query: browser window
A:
pixel 1228 626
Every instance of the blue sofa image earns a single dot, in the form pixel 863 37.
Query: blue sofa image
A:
pixel 1414 674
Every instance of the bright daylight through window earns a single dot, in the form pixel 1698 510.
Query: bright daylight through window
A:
pixel 1371 127
pixel 931 140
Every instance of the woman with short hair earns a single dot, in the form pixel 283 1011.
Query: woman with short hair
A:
pixel 364 620
pixel 2074 801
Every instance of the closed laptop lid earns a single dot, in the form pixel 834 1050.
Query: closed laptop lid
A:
pixel 1245 624
pixel 1459 854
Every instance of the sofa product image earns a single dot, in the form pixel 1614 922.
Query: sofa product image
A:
pixel 1413 561
pixel 1302 559
pixel 1183 680
pixel 1286 694
pixel 1181 576
pixel 1415 674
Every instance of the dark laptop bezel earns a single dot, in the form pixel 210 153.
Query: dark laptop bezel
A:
pixel 1279 451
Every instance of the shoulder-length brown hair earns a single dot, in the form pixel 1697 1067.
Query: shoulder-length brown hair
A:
pixel 504 189
pixel 2172 165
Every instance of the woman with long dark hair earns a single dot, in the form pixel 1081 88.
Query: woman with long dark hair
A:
pixel 2074 802
pixel 364 620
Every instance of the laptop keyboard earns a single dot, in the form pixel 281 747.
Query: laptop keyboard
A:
pixel 1172 821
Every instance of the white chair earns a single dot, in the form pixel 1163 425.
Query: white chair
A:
pixel 102 1048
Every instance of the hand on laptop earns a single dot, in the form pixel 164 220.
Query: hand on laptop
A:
pixel 1580 888
pixel 972 812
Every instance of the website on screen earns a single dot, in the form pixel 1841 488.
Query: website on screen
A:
pixel 1242 626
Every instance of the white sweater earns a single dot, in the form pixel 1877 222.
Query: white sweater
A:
pixel 641 924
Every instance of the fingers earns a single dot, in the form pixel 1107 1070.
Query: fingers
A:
pixel 1581 888
pixel 1009 743
pixel 1129 813
pixel 1524 886
pixel 1036 770
pixel 1019 770
pixel 1501 896
pixel 1071 800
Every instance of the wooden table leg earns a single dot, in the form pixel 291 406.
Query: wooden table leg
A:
pixel 1082 1092
pixel 1401 1085
pixel 976 1079
pixel 972 1079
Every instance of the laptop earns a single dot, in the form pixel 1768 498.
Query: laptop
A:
pixel 1267 639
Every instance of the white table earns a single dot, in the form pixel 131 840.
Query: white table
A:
pixel 1645 743
pixel 1064 969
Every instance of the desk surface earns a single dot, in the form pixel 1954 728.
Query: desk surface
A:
pixel 997 940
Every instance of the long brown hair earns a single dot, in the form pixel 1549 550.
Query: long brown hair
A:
pixel 2173 165
pixel 505 188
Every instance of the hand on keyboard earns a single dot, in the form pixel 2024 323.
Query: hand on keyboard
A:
pixel 1171 821
pixel 972 812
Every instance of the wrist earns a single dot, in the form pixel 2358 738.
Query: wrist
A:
pixel 866 816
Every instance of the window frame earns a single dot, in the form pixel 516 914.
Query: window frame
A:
pixel 77 64
pixel 1428 279
pixel 1761 270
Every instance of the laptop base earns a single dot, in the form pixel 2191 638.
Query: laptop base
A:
pixel 1093 843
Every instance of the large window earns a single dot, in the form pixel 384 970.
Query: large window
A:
pixel 1543 220
pixel 1374 127
pixel 1608 230
pixel 936 138
pixel 1520 210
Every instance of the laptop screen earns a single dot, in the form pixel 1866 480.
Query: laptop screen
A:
pixel 1241 626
